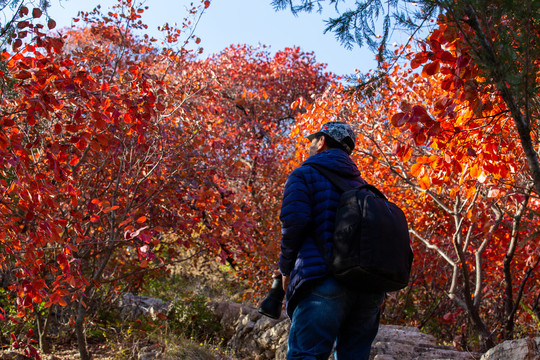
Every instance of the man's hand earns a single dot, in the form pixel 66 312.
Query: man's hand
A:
pixel 285 282
pixel 285 279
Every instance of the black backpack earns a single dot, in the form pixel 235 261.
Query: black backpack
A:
pixel 371 248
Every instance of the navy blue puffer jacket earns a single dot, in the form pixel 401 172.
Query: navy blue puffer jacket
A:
pixel 309 207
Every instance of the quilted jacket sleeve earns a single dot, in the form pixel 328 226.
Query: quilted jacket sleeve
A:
pixel 295 219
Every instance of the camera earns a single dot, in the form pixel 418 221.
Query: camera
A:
pixel 272 303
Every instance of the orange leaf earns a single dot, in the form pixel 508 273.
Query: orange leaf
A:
pixel 141 219
pixel 424 182
pixel 416 169
pixel 407 154
pixel 420 138
pixel 475 171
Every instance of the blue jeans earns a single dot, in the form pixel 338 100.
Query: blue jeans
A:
pixel 330 314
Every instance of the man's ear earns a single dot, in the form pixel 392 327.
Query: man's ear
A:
pixel 321 144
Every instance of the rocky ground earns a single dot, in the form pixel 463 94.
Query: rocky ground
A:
pixel 266 339
pixel 249 335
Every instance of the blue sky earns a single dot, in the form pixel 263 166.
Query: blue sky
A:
pixel 251 22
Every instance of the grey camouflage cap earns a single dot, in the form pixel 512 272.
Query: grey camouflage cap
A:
pixel 340 132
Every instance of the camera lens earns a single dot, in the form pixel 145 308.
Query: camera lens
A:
pixel 273 302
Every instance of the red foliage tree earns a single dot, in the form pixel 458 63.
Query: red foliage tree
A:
pixel 117 154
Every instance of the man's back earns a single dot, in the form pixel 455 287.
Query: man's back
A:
pixel 309 208
pixel 324 312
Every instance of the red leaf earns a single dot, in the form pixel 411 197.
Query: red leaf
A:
pixel 400 119
pixel 462 61
pixel 23 11
pixel 51 24
pixel 447 57
pixel 31 119
pixel 418 110
pixel 417 61
pixel 431 69
pixel 22 75
pixel 435 130
pixel 100 124
pixel 16 44
pixel 36 12
pixel 471 152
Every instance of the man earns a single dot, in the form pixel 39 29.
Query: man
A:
pixel 324 312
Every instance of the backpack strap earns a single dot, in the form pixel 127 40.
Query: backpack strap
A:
pixel 342 185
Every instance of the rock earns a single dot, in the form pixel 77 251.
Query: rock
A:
pixel 408 343
pixel 522 349
pixel 133 305
pixel 251 333
pixel 151 352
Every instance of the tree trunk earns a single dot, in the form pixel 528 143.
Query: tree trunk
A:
pixel 79 331
pixel 42 325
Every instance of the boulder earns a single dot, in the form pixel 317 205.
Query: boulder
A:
pixel 408 343
pixel 132 305
pixel 522 349
pixel 249 332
